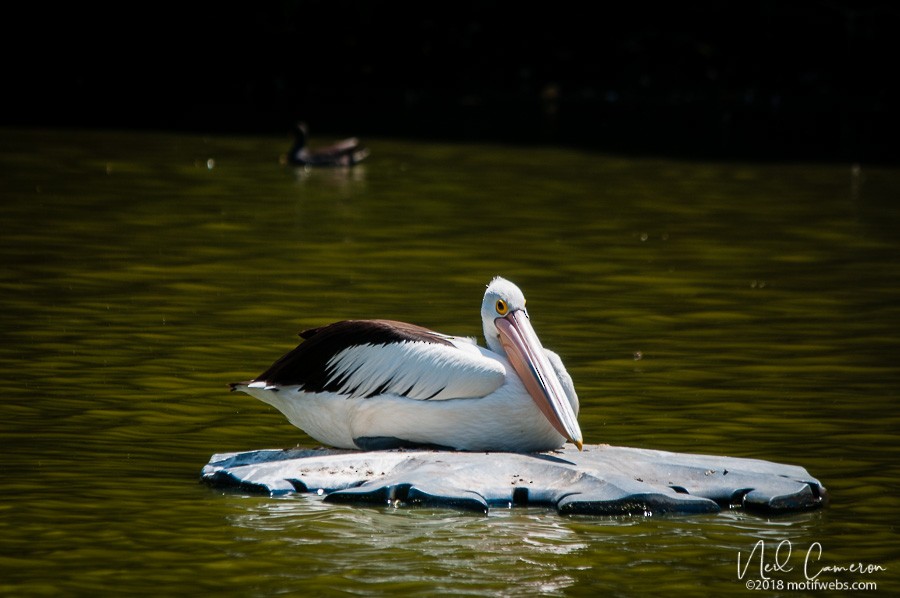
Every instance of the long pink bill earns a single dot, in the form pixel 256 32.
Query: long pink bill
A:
pixel 527 356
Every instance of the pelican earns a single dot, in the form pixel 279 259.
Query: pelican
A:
pixel 380 384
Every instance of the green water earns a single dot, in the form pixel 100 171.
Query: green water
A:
pixel 750 310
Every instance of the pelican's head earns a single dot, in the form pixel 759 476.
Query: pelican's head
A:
pixel 508 331
pixel 500 299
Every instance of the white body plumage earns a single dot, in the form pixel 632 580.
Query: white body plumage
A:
pixel 373 384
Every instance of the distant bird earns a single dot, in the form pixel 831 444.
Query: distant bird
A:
pixel 380 384
pixel 347 152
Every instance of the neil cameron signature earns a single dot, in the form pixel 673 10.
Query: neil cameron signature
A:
pixel 779 562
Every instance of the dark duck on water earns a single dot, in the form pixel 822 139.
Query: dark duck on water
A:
pixel 347 152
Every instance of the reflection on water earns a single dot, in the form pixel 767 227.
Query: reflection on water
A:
pixel 424 549
pixel 522 551
pixel 741 309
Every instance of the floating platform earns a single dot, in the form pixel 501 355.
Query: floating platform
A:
pixel 600 480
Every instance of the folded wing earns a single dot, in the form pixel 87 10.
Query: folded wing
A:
pixel 369 358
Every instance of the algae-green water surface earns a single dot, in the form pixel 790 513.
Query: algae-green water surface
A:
pixel 750 310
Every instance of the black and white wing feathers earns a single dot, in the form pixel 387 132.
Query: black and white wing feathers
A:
pixel 369 358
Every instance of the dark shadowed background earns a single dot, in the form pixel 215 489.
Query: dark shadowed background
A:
pixel 763 80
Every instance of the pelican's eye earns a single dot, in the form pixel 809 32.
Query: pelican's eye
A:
pixel 502 307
